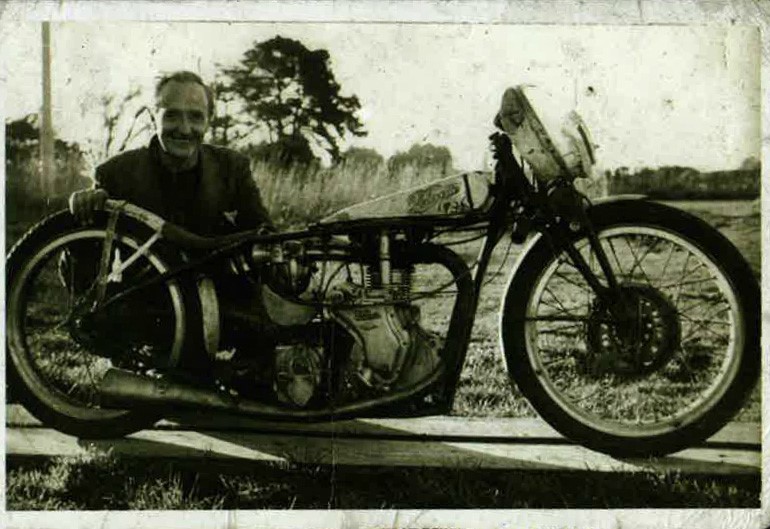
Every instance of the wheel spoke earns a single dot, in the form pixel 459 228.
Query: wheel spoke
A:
pixel 559 303
pixel 638 260
pixel 570 318
pixel 615 255
pixel 668 259
pixel 700 302
pixel 698 327
pixel 689 282
pixel 572 282
pixel 705 321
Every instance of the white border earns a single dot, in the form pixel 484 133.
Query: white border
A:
pixel 638 12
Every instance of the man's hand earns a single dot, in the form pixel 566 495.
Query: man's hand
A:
pixel 84 203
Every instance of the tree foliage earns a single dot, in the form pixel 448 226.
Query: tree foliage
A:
pixel 27 194
pixel 290 93
pixel 22 142
pixel 686 183
pixel 225 127
pixel 421 157
pixel 362 157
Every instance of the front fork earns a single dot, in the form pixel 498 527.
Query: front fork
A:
pixel 560 230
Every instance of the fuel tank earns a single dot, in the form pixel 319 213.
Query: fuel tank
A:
pixel 458 194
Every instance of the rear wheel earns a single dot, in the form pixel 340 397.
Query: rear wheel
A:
pixel 58 350
pixel 674 371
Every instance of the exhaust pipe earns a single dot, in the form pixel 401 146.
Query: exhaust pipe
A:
pixel 120 388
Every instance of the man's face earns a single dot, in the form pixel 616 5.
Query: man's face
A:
pixel 182 118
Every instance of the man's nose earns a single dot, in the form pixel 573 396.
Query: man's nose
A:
pixel 184 124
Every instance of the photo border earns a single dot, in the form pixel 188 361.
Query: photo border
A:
pixel 529 12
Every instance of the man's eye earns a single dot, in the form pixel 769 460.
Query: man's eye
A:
pixel 172 114
pixel 197 118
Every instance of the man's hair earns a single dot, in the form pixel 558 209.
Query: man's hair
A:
pixel 185 76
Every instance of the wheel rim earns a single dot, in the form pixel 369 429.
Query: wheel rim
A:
pixel 55 365
pixel 667 395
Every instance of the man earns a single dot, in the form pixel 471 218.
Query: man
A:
pixel 206 189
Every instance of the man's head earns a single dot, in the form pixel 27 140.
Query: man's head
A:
pixel 184 107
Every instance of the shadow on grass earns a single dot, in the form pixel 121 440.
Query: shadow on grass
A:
pixel 118 484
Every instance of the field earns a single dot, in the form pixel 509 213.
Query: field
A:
pixel 485 390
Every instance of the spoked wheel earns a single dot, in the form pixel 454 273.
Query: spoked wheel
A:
pixel 59 349
pixel 666 374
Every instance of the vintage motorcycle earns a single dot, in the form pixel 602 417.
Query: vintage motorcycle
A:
pixel 632 327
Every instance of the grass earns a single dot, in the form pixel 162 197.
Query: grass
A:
pixel 132 484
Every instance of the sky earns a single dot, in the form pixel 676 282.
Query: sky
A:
pixel 651 95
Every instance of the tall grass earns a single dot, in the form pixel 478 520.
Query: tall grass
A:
pixel 298 195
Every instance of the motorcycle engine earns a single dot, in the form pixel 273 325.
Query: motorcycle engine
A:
pixel 384 347
pixel 390 349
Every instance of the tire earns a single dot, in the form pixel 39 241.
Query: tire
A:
pixel 681 372
pixel 51 369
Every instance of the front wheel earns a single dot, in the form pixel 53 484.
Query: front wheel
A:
pixel 668 376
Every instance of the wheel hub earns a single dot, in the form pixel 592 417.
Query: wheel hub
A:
pixel 639 342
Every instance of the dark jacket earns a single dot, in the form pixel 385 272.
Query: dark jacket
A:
pixel 223 197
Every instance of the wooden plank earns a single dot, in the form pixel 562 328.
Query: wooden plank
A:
pixel 218 446
pixel 475 428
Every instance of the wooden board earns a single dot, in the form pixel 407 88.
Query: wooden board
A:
pixel 370 452
pixel 431 442
pixel 736 435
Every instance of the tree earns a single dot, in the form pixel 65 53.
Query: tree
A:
pixel 420 158
pixel 362 157
pixel 290 93
pixel 751 163
pixel 225 128
pixel 25 194
pixel 121 125
pixel 22 142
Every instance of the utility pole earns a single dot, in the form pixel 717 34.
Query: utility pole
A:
pixel 46 128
